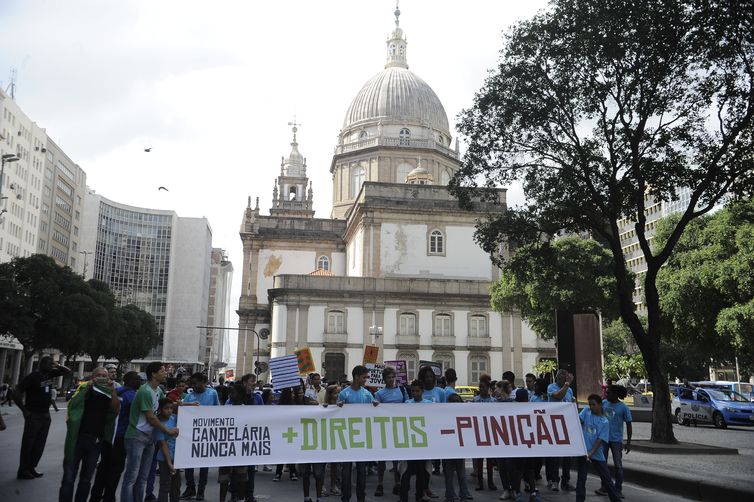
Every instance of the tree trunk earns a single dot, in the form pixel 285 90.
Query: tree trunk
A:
pixel 662 423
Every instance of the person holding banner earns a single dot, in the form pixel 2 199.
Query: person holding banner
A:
pixel 455 468
pixel 484 396
pixel 202 395
pixel 170 478
pixel 391 393
pixel 416 468
pixel 523 467
pixel 596 430
pixel 356 393
pixel 559 392
pixel 234 479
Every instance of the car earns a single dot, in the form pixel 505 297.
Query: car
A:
pixel 720 407
pixel 467 392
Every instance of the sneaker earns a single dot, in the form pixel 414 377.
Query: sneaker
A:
pixel 553 486
pixel 266 468
pixel 534 497
pixel 379 492
pixel 308 499
pixel 276 478
pixel 25 475
pixel 189 493
pixel 519 497
pixel 492 486
pixel 506 495
pixel 294 477
pixel 199 495
pixel 600 491
pixel 334 491
pixel 36 474
pixel 567 487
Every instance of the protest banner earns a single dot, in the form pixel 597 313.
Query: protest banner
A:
pixel 213 436
pixel 371 352
pixel 375 380
pixel 284 372
pixel 305 361
pixel 436 367
pixel 401 371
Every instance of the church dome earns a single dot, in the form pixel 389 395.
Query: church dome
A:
pixel 397 95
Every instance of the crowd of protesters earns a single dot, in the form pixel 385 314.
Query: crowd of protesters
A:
pixel 124 434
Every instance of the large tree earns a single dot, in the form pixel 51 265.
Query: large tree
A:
pixel 597 105
pixel 707 285
pixel 570 274
pixel 135 333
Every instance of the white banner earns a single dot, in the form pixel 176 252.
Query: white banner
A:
pixel 213 436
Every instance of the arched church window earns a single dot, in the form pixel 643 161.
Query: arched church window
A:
pixel 436 242
pixel 404 136
pixel 357 178
pixel 323 263
pixel 292 193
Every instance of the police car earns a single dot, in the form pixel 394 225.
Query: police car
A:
pixel 720 407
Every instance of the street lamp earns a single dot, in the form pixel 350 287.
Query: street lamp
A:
pixel 375 331
pixel 245 340
pixel 7 158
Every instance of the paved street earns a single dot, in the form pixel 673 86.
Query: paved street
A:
pixel 46 488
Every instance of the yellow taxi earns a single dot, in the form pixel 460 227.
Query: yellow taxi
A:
pixel 467 392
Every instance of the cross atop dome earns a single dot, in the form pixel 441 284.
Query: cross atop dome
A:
pixel 295 129
pixel 396 44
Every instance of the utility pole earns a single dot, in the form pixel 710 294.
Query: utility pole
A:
pixel 86 256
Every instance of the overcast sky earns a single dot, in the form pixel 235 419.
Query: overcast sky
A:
pixel 210 86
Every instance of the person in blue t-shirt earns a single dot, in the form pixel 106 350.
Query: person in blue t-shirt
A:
pixel 484 396
pixel 596 430
pixel 202 395
pixel 391 393
pixel 170 477
pixel 355 394
pixel 450 382
pixel 558 469
pixel 617 413
pixel 416 468
pixel 428 379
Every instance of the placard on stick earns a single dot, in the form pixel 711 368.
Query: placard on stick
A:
pixel 436 367
pixel 284 372
pixel 305 361
pixel 375 379
pixel 371 352
pixel 401 371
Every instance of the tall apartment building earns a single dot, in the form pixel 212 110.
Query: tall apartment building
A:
pixel 216 348
pixel 61 207
pixel 22 145
pixel 158 261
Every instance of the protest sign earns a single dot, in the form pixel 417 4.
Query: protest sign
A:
pixel 375 380
pixel 284 372
pixel 436 367
pixel 370 354
pixel 305 361
pixel 213 436
pixel 401 371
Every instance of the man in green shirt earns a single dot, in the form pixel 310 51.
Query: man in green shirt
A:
pixel 138 440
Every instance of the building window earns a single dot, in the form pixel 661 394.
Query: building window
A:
pixel 407 325
pixel 478 365
pixel 405 137
pixel 292 195
pixel 444 176
pixel 336 320
pixel 411 360
pixel 334 365
pixel 357 178
pixel 436 242
pixel 443 325
pixel 478 326
pixel 445 358
pixel 323 263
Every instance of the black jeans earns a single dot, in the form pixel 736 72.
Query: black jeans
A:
pixel 552 469
pixel 33 441
pixel 361 481
pixel 416 468
pixel 251 474
pixel 111 464
pixel 85 455
pixel 170 484
pixel 190 483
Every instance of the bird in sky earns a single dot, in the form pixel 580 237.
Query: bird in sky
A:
pixel 148 149
pixel 163 188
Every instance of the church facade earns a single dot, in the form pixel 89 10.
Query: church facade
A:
pixel 395 265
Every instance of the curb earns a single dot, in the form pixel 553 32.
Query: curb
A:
pixel 681 448
pixel 693 488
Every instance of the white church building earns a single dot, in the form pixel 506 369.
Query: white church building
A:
pixel 397 252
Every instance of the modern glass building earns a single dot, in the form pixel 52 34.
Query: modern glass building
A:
pixel 158 261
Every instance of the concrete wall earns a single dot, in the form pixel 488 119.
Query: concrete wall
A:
pixel 188 289
pixel 404 251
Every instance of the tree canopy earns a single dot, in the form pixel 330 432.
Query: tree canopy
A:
pixel 707 285
pixel 570 274
pixel 46 306
pixel 597 105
